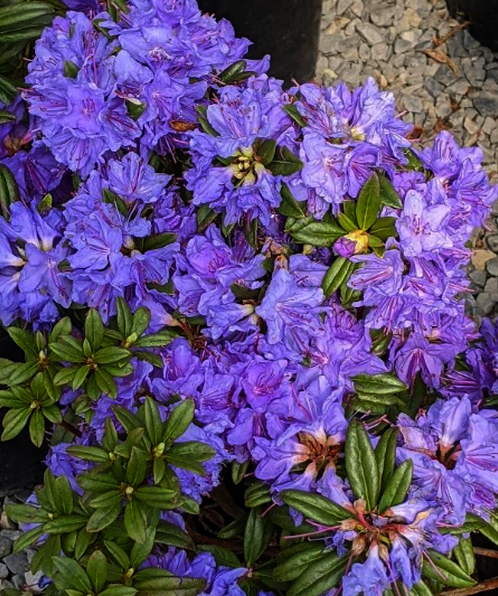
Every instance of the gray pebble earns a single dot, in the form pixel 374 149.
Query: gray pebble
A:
pixel 492 242
pixel 370 33
pixel 5 584
pixel 485 303
pixel 492 287
pixel 4 572
pixel 17 563
pixel 492 267
pixel 5 546
pixel 487 105
pixel 18 581
pixel 478 278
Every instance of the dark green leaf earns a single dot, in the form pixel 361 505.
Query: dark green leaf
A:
pixel 385 454
pixel 438 567
pixel 14 421
pixel 28 538
pixel 136 467
pixel 256 536
pixel 298 562
pixel 124 317
pixel 338 273
pixel 71 575
pixel 388 194
pixel 384 228
pixel 318 233
pixel 346 223
pixel 315 507
pixel 172 535
pixel 361 465
pixel 103 517
pixel 135 520
pixel 65 524
pixel 223 556
pixel 294 113
pixel 397 487
pixel 179 420
pixel 289 206
pixel 94 329
pixel 382 383
pixel 320 576
pixel 111 355
pixel 285 164
pixel 156 340
pixel 368 206
pixel 464 554
pixel 37 428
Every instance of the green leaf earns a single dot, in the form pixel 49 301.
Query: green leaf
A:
pixel 384 228
pixel 381 384
pixel 438 567
pixel 96 569
pixel 155 241
pixel 346 223
pixel 256 536
pixel 65 376
pixel 63 495
pixel 106 383
pixel 118 554
pixel 295 114
pixel 141 321
pixel 111 355
pixel 232 72
pixel 124 317
pixel 22 373
pixel 24 339
pixel 9 190
pixel 265 150
pixel 315 507
pixel 71 69
pixel 289 206
pixel 167 585
pixel 7 95
pixel 83 541
pixel 103 517
pixel 37 428
pixel 88 453
pixel 6 117
pixel 298 562
pixel 320 576
pixel 94 329
pixel 385 454
pixel 202 118
pixel 153 422
pixel 388 194
pixel 338 273
pixel 71 575
pixel 172 535
pixel 397 488
pixel 118 590
pixel 205 216
pixel 188 455
pixel 257 494
pixel 156 340
pixel 136 467
pixel 25 514
pixel 28 538
pixel 420 589
pixel 361 465
pixel 67 349
pixel 80 376
pixel 140 552
pixel 179 420
pixel 368 205
pixel 14 421
pixel 135 520
pixel 318 233
pixel 65 524
pixel 97 482
pixel 285 164
pixel 62 327
pixel 223 556
pixel 464 554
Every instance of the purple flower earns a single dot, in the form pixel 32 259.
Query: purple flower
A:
pixel 367 578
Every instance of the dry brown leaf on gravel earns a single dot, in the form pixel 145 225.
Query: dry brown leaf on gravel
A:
pixel 443 59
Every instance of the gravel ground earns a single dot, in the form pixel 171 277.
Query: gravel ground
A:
pixel 454 87
pixel 14 566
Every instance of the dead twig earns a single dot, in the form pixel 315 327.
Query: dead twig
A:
pixel 485 586
pixel 486 552
pixel 438 41
pixel 443 59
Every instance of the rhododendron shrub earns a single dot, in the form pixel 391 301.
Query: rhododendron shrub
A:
pixel 242 314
